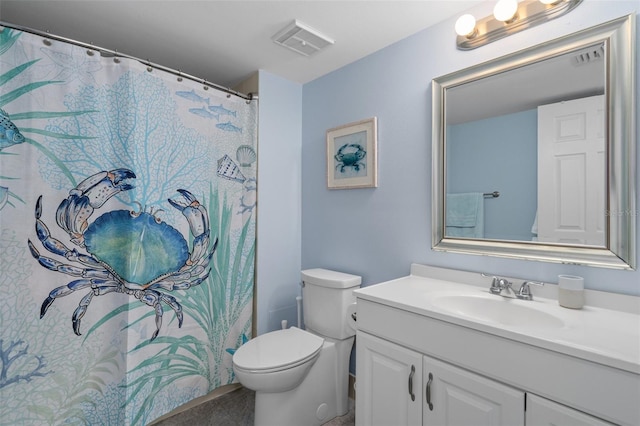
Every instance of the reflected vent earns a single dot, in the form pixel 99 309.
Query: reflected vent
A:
pixel 595 53
pixel 302 39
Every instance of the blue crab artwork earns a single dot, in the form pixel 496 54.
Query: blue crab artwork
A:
pixel 349 156
pixel 128 252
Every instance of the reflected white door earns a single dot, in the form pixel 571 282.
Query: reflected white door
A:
pixel 571 172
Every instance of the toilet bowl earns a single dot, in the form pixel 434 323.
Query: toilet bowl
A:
pixel 277 361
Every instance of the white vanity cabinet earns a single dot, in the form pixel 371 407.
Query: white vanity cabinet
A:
pixel 389 392
pixel 454 396
pixel 485 374
pixel 401 387
pixel 398 386
pixel 542 412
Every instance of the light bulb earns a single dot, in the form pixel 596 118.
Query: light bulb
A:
pixel 505 10
pixel 466 25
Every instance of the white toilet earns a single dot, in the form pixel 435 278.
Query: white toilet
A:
pixel 301 377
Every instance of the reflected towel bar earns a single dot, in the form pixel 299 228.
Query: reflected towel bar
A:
pixel 494 194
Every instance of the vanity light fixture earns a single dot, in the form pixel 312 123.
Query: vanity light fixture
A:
pixel 509 17
pixel 506 11
pixel 466 26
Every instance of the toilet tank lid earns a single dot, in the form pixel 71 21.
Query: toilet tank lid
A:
pixel 332 279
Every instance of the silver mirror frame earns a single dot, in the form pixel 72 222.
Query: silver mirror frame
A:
pixel 620 248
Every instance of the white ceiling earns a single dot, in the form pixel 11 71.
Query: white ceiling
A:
pixel 224 42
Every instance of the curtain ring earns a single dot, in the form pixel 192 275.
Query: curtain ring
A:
pixel 149 67
pixel 46 41
pixel 179 75
pixel 90 52
pixel 115 57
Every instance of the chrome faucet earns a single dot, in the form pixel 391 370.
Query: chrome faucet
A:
pixel 499 285
pixel 524 292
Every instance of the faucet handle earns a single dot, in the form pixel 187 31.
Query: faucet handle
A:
pixel 496 287
pixel 525 292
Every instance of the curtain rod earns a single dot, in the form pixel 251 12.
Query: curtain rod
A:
pixel 115 54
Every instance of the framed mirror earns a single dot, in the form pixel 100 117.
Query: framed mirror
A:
pixel 534 152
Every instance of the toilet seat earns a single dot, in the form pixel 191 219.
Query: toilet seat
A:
pixel 278 350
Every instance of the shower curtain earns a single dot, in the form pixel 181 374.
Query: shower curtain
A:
pixel 127 235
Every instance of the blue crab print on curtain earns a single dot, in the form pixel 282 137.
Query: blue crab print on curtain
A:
pixel 129 252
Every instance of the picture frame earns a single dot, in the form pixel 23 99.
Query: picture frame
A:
pixel 352 155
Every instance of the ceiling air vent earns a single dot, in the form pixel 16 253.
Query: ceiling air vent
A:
pixel 302 39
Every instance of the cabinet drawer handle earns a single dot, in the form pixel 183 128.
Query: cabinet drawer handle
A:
pixel 413 371
pixel 429 392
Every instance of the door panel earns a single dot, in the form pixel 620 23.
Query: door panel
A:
pixel 572 172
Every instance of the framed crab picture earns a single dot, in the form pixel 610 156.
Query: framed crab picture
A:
pixel 352 158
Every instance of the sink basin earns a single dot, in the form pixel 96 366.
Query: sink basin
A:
pixel 497 309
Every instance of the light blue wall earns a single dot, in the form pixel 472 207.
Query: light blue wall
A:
pixel 498 154
pixel 377 233
pixel 279 217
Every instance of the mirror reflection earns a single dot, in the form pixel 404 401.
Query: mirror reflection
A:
pixel 533 152
pixel 525 152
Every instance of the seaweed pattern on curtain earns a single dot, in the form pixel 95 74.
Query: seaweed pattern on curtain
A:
pixel 67 115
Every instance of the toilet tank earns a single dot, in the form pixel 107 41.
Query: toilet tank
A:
pixel 325 297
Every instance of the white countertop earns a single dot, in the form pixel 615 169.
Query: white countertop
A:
pixel 599 334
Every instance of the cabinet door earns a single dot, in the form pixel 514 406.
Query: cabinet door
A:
pixel 388 384
pixel 454 396
pixel 542 412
